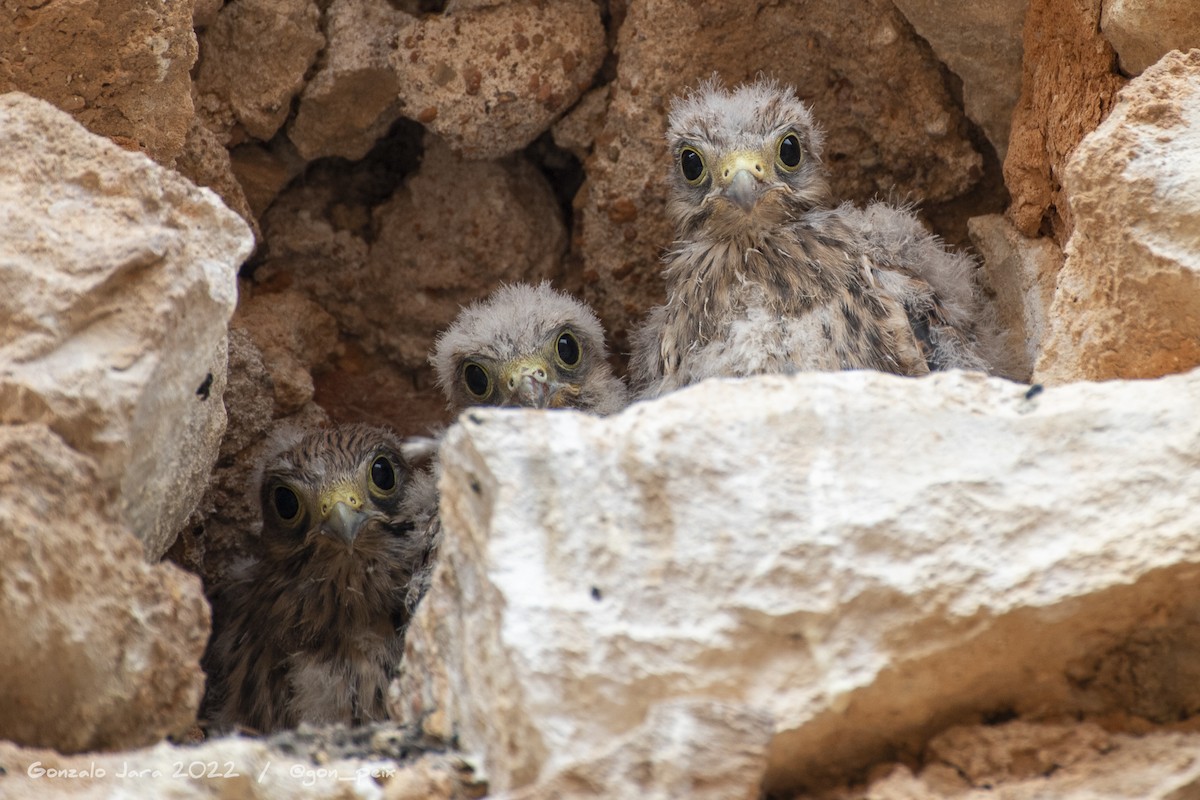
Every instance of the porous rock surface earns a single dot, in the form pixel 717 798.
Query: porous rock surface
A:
pixel 101 650
pixel 869 559
pixel 1128 298
pixel 119 282
pixel 480 223
pixel 120 67
pixel 1068 86
pixel 490 79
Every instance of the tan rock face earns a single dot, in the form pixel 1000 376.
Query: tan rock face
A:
pixel 489 80
pixel 1128 297
pixel 879 94
pixel 981 44
pixel 119 287
pixel 353 97
pixel 770 544
pixel 453 227
pixel 101 650
pixel 253 62
pixel 1067 88
pixel 120 67
pixel 1143 31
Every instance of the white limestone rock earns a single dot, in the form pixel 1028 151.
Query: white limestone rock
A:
pixel 1128 298
pixel 120 279
pixel 870 558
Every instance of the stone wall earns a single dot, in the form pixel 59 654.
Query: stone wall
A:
pixel 839 594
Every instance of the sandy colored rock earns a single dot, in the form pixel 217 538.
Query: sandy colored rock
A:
pixel 875 88
pixel 253 61
pixel 1078 763
pixel 1128 298
pixel 453 232
pixel 263 172
pixel 353 97
pixel 1143 31
pixel 489 80
pixel 1022 272
pixel 205 162
pixel 119 289
pixel 577 131
pixel 120 67
pixel 294 335
pixel 205 12
pixel 981 44
pixel 1067 87
pixel 689 548
pixel 236 769
pixel 101 650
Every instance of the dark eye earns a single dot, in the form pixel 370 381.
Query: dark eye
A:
pixel 789 151
pixel 287 504
pixel 383 475
pixel 691 163
pixel 477 380
pixel 568 349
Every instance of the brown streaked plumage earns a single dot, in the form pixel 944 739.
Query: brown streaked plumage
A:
pixel 313 630
pixel 767 276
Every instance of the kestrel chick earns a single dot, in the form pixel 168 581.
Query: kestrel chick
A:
pixel 767 276
pixel 528 346
pixel 313 630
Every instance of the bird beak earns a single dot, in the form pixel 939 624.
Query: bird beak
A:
pixel 740 176
pixel 342 514
pixel 528 382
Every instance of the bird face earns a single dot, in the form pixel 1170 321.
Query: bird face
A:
pixel 527 346
pixel 549 377
pixel 335 489
pixel 746 160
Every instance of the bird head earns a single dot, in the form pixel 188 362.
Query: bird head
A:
pixel 527 346
pixel 335 489
pixel 745 160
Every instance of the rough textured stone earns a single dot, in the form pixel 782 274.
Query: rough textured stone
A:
pixel 1143 31
pixel 1075 762
pixel 490 80
pixel 101 650
pixel 684 749
pixel 205 12
pixel 1022 272
pixel 264 172
pixel 1128 298
pixel 1067 87
pixel 353 97
pixel 876 89
pixel 237 769
pixel 981 44
pixel 577 130
pixel 120 67
pixel 482 223
pixel 120 281
pixel 871 558
pixel 253 61
pixel 294 335
pixel 206 163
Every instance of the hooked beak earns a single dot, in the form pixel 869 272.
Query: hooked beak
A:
pixel 342 514
pixel 740 177
pixel 528 382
